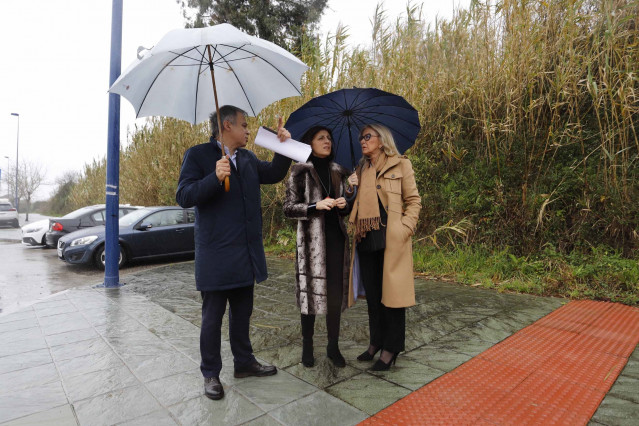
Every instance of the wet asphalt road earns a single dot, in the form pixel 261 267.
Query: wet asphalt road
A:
pixel 28 274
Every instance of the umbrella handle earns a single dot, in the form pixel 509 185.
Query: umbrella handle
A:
pixel 227 182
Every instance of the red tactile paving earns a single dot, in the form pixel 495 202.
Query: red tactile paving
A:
pixel 556 371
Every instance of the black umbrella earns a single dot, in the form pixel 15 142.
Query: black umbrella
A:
pixel 346 111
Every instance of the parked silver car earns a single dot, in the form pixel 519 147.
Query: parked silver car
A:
pixel 8 214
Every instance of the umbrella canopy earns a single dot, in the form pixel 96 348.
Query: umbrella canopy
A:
pixel 174 78
pixel 346 111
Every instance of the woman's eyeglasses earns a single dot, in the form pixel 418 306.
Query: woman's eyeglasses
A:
pixel 367 137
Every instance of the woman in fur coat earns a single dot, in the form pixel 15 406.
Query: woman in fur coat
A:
pixel 315 197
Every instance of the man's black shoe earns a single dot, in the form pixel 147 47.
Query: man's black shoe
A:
pixel 255 369
pixel 213 388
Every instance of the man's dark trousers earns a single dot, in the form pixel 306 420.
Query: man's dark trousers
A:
pixel 240 310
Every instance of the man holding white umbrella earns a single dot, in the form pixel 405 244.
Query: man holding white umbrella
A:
pixel 229 254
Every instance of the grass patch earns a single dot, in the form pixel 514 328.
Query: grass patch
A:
pixel 596 273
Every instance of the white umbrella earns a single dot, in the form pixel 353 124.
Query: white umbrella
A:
pixel 174 78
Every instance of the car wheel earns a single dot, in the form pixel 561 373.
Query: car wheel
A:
pixel 100 254
pixel 15 223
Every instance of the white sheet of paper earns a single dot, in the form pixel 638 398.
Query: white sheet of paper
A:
pixel 290 148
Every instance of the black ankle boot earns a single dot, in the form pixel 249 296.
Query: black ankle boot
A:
pixel 307 353
pixel 333 353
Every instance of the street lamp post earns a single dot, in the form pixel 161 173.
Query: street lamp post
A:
pixel 8 189
pixel 16 171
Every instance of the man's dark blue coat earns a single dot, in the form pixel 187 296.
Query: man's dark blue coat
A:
pixel 229 252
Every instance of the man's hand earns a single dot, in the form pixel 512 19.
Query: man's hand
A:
pixel 325 204
pixel 223 168
pixel 282 133
pixel 340 203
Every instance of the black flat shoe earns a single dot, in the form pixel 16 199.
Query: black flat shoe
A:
pixel 382 366
pixel 367 356
pixel 333 353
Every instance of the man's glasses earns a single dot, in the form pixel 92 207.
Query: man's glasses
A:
pixel 367 137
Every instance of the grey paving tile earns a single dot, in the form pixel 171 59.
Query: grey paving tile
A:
pixel 444 324
pixel 284 356
pixel 614 411
pixel 323 373
pixel 22 346
pixel 21 335
pixel 116 407
pixel 626 388
pixel 156 418
pixel 99 382
pixel 25 360
pixel 62 307
pixel 631 369
pixel 233 409
pixel 148 368
pixel 178 388
pixel 29 377
pixel 437 358
pixel 368 393
pixel 21 324
pixel 319 409
pixel 409 374
pixel 462 341
pixel 275 391
pixel 264 420
pixel 71 337
pixel 22 315
pixel 62 323
pixel 17 404
pixel 88 364
pixel 81 348
pixel 58 416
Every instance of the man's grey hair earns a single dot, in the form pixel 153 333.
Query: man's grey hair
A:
pixel 227 113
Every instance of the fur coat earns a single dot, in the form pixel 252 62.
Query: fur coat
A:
pixel 304 188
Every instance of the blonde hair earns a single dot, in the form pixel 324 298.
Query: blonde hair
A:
pixel 385 138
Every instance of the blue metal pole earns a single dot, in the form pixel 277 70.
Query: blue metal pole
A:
pixel 112 250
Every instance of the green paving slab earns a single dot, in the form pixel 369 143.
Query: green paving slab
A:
pixel 409 374
pixel 615 411
pixel 318 409
pixel 323 373
pixel 368 393
pixel 233 409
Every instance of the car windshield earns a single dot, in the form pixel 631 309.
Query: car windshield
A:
pixel 77 213
pixel 5 207
pixel 133 217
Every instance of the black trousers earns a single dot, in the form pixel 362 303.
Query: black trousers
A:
pixel 387 325
pixel 240 302
pixel 334 285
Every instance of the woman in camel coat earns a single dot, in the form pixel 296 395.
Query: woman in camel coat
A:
pixel 384 218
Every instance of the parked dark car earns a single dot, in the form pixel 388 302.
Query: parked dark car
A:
pixel 145 233
pixel 86 217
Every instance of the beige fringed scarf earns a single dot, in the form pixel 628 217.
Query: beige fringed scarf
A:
pixel 366 217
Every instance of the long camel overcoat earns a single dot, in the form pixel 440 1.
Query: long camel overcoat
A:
pixel 397 190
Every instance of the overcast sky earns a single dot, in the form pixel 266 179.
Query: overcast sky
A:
pixel 54 70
